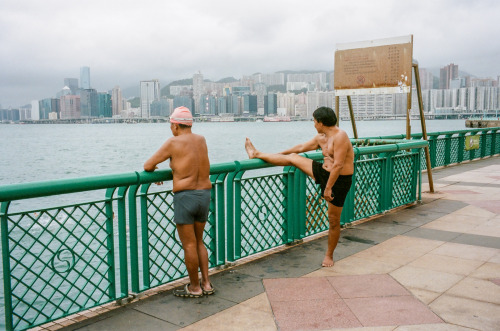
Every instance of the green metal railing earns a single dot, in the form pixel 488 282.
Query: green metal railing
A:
pixel 59 260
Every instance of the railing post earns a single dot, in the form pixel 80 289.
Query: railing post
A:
pixel 220 231
pixel 484 135
pixel 461 147
pixel 432 150
pixel 122 241
pixel 237 215
pixel 447 149
pixel 110 240
pixel 493 142
pixel 134 248
pixel 230 219
pixel 387 180
pixel 290 210
pixel 144 236
pixel 7 286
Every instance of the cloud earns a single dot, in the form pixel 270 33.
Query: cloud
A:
pixel 125 41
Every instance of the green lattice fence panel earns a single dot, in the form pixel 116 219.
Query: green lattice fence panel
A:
pixel 403 190
pixel 316 209
pixel 440 152
pixel 367 194
pixel 263 203
pixel 454 149
pixel 165 253
pixel 61 262
pixel 489 137
pixel 477 152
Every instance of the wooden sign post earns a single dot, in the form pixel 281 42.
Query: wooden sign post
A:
pixel 382 66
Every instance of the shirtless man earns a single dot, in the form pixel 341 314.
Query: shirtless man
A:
pixel 191 186
pixel 335 174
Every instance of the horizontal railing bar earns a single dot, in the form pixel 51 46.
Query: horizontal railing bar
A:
pixel 72 185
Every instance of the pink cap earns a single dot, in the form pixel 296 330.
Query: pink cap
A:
pixel 181 115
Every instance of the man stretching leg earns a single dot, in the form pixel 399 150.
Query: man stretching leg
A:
pixel 335 174
pixel 191 186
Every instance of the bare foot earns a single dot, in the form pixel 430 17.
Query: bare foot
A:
pixel 327 262
pixel 251 151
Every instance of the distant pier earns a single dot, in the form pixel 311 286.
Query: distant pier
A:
pixel 482 123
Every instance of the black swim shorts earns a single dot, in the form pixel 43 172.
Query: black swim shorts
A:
pixel 191 206
pixel 339 189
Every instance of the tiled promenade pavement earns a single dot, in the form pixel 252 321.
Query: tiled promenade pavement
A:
pixel 431 266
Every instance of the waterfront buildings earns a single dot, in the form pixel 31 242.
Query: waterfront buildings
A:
pixel 150 92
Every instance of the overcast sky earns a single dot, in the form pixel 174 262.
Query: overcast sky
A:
pixel 126 41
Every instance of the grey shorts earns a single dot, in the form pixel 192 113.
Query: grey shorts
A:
pixel 191 206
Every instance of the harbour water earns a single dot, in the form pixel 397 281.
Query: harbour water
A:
pixel 54 151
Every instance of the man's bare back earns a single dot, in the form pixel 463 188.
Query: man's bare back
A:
pixel 188 160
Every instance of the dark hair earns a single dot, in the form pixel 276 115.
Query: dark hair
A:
pixel 183 126
pixel 326 116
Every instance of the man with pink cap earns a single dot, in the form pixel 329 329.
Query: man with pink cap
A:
pixel 190 166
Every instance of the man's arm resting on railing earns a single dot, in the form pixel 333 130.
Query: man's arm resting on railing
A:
pixel 162 154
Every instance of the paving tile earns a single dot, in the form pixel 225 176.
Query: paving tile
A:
pixel 360 234
pixel 466 251
pixel 456 223
pixel 297 289
pixel 358 266
pixel 411 217
pixel 385 228
pixel 490 228
pixel 235 286
pixel 362 286
pixel 399 310
pixel 475 240
pixel 490 205
pixel 313 315
pixel 476 289
pixel 182 311
pixel 448 264
pixel 425 296
pixel 253 314
pixel 430 280
pixel 487 270
pixel 474 211
pixel 399 250
pixel 132 320
pixel 468 313
pixel 433 327
pixel 432 234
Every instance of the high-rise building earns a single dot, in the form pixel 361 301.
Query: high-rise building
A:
pixel 104 105
pixel 250 104
pixel 89 103
pixel 116 101
pixel 198 91
pixel 35 110
pixel 271 104
pixel 84 78
pixel 446 74
pixel 426 79
pixel 72 83
pixel 150 91
pixel 70 106
pixel 47 106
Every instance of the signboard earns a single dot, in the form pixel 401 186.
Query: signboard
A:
pixel 374 67
pixel 471 142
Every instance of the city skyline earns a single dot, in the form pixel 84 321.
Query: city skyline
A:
pixel 44 42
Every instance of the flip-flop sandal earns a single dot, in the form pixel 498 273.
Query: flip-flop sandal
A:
pixel 208 292
pixel 184 293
